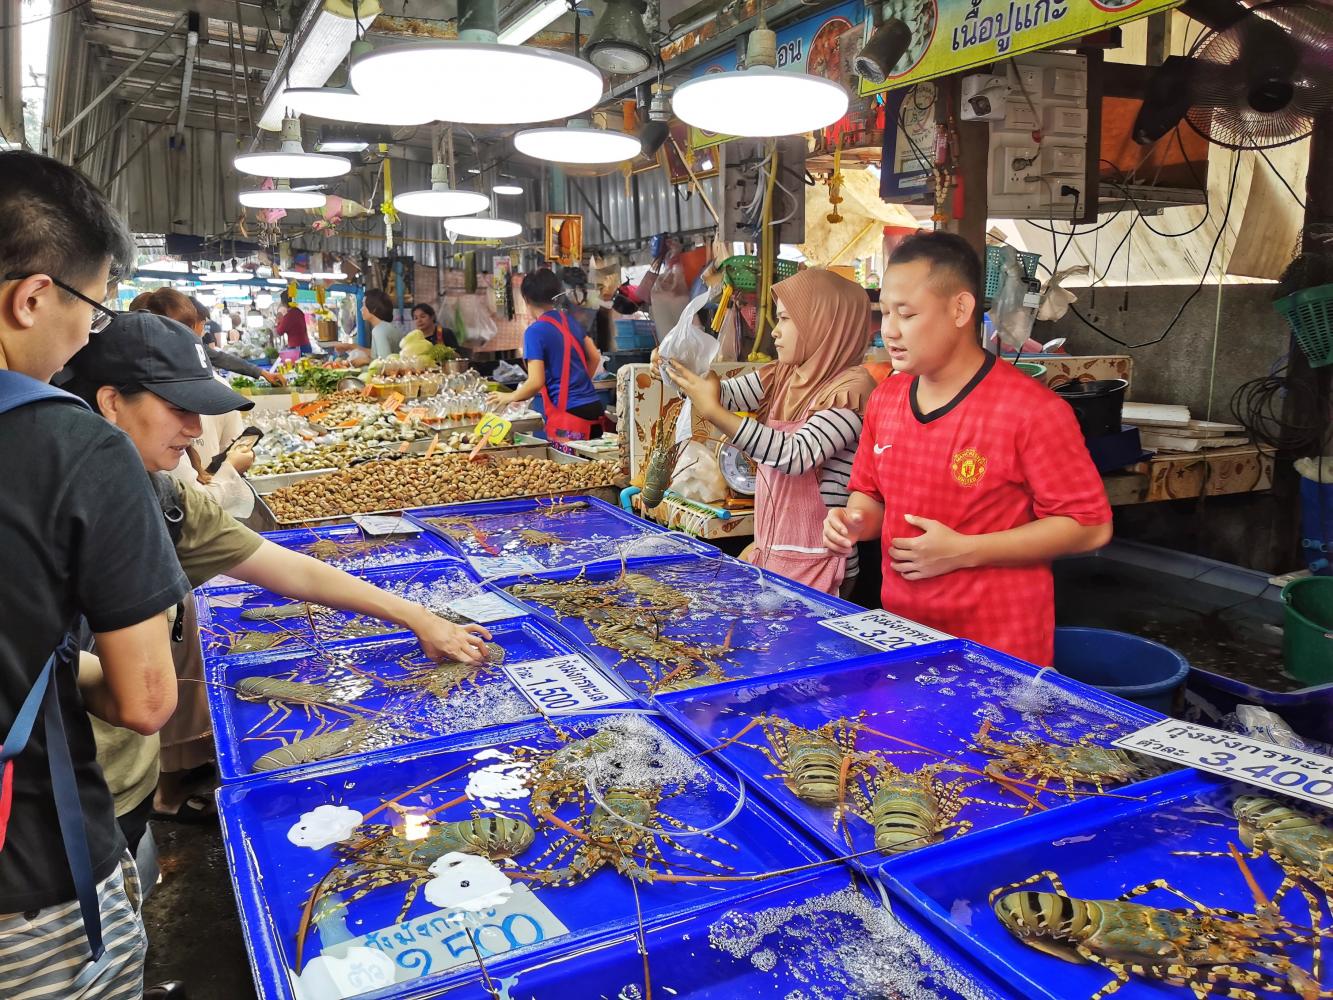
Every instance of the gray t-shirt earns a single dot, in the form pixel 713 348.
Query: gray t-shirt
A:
pixel 384 340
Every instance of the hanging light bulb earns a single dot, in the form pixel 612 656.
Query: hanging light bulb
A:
pixel 263 299
pixel 254 319
pixel 291 160
pixel 281 195
pixel 441 201
pixel 760 101
pixel 578 142
pixel 483 228
pixel 346 104
pixel 620 42
pixel 554 85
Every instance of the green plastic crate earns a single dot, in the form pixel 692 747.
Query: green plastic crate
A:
pixel 995 268
pixel 1309 313
pixel 742 272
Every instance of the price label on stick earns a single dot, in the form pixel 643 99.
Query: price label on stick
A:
pixel 884 630
pixel 1274 768
pixel 485 607
pixel 492 428
pixel 392 401
pixel 563 684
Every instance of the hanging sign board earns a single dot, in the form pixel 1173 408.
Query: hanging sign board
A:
pixel 953 35
pixel 811 45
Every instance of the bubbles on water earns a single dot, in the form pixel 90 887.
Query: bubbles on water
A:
pixel 637 756
pixel 875 955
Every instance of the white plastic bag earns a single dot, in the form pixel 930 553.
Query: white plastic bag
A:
pixel 688 343
pixel 508 374
pixel 473 320
pixel 1012 319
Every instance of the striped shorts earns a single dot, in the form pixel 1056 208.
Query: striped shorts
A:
pixel 45 955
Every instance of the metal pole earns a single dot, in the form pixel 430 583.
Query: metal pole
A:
pixel 245 65
pixel 187 77
pixel 137 150
pixel 129 71
pixel 128 111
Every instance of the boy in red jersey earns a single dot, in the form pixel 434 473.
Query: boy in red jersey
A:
pixel 974 475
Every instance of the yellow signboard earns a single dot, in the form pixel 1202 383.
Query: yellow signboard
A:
pixel 953 35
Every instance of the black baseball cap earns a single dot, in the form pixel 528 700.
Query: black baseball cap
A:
pixel 160 355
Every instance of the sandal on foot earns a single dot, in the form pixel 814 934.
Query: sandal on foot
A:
pixel 196 810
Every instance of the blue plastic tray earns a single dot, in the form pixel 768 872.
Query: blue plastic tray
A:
pixel 596 535
pixel 355 681
pixel 274 877
pixel 1100 849
pixel 356 551
pixel 937 698
pixel 817 937
pixel 222 628
pixel 778 632
pixel 1309 711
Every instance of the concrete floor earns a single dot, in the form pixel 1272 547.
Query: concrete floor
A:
pixel 194 934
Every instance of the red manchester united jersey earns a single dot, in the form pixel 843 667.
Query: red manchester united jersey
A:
pixel 1004 452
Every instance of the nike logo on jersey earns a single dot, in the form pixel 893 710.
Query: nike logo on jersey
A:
pixel 880 449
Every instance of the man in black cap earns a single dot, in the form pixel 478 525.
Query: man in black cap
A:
pixel 82 534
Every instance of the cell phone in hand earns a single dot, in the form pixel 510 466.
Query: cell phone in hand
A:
pixel 248 439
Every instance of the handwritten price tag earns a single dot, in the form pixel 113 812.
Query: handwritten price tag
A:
pixel 491 567
pixel 563 684
pixel 383 524
pixel 884 630
pixel 493 428
pixel 392 401
pixel 1307 776
pixel 483 608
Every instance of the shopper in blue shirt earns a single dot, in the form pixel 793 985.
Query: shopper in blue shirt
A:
pixel 561 359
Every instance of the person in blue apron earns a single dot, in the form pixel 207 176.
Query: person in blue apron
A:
pixel 561 359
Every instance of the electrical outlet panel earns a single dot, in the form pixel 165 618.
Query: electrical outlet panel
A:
pixel 1041 145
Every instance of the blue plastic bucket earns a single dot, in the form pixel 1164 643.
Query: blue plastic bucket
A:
pixel 1128 666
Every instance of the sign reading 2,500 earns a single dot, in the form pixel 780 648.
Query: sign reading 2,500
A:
pixel 792 52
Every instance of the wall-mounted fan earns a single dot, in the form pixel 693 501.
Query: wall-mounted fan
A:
pixel 1257 80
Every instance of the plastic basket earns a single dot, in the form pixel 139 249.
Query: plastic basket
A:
pixel 635 334
pixel 1309 313
pixel 995 268
pixel 742 272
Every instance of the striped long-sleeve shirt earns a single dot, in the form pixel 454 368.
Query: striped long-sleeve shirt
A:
pixel 826 440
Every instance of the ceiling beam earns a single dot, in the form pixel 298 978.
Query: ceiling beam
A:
pixel 131 40
pixel 201 118
pixel 204 79
pixel 222 10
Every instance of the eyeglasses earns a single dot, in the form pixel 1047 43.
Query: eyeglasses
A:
pixel 102 316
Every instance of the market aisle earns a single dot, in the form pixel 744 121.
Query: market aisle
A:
pixel 193 931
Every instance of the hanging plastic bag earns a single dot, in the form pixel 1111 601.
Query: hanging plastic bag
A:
pixel 473 320
pixel 1012 318
pixel 688 343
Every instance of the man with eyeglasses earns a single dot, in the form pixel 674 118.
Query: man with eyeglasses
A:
pixel 82 535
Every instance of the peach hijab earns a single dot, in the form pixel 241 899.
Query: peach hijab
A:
pixel 832 320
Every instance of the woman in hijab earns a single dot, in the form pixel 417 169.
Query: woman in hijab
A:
pixel 808 407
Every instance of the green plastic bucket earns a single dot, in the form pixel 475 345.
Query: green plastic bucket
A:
pixel 1031 369
pixel 1307 636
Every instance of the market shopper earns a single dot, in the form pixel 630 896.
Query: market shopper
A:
pixel 975 475
pixel 292 326
pixel 561 359
pixel 82 535
pixel 221 359
pixel 808 406
pixel 377 311
pixel 145 377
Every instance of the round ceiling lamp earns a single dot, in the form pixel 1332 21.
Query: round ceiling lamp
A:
pixel 441 201
pixel 577 143
pixel 483 228
pixel 282 196
pixel 507 189
pixel 620 42
pixel 555 85
pixel 291 160
pixel 760 101
pixel 346 104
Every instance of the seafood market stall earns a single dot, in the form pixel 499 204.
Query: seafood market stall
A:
pixel 678 775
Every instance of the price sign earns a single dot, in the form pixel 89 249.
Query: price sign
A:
pixel 392 401
pixel 517 564
pixel 296 399
pixel 563 684
pixel 434 445
pixel 367 390
pixel 884 630
pixel 493 428
pixel 1275 768
pixel 484 607
pixel 382 524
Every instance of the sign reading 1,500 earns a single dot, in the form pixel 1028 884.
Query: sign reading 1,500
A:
pixel 1265 773
pixel 791 52
pixel 555 696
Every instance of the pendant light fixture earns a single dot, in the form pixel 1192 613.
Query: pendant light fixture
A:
pixel 509 190
pixel 291 160
pixel 483 228
pixel 760 101
pixel 345 104
pixel 554 85
pixel 578 142
pixel 281 195
pixel 620 42
pixel 442 201
pixel 254 319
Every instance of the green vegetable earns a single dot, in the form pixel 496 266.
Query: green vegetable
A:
pixel 440 353
pixel 242 382
pixel 270 352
